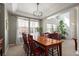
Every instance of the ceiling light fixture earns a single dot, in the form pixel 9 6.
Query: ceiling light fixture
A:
pixel 37 12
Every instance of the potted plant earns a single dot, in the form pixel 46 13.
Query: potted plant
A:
pixel 39 29
pixel 62 29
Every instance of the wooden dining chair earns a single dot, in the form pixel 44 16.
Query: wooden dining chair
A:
pixel 57 36
pixel 46 34
pixel 26 44
pixel 54 50
pixel 34 50
pixel 54 36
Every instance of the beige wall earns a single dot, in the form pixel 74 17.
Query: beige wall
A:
pixel 73 23
pixel 78 22
pixel 12 29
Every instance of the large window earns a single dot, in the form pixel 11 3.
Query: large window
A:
pixel 22 26
pixel 34 25
pixel 49 27
pixel 53 21
pixel 28 26
pixel 66 18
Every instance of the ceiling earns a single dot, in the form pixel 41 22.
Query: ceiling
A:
pixel 26 9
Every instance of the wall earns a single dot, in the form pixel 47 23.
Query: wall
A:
pixel 2 25
pixel 78 22
pixel 12 29
pixel 7 26
pixel 73 25
pixel 6 31
pixel 2 20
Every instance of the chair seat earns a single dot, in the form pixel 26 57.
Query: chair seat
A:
pixel 38 51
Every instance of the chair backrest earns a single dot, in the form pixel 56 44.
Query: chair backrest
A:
pixel 1 42
pixel 54 36
pixel 46 34
pixel 50 36
pixel 24 36
pixel 31 42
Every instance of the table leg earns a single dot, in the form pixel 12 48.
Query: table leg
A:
pixel 46 51
pixel 60 49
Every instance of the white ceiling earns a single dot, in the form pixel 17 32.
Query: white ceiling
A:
pixel 27 9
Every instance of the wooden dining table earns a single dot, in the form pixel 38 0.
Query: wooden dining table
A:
pixel 48 43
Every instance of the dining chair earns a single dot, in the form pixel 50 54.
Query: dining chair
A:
pixel 57 36
pixel 50 35
pixel 46 34
pixel 26 44
pixel 54 36
pixel 34 50
pixel 54 50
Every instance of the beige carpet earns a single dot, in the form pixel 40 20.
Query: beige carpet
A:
pixel 15 51
pixel 67 49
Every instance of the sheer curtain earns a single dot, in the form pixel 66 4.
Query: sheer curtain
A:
pixel 28 26
pixel 34 26
pixel 22 26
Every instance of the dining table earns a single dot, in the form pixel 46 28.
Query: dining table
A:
pixel 47 43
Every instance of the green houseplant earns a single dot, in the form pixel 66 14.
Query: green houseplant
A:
pixel 62 29
pixel 39 29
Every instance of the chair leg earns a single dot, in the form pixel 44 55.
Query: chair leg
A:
pixel 57 50
pixel 31 53
pixel 52 51
pixel 1 52
pixel 28 51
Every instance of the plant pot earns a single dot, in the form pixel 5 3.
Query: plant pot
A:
pixel 63 37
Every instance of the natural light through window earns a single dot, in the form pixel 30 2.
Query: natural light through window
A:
pixel 49 27
pixel 66 18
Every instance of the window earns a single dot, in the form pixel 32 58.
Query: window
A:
pixel 22 26
pixel 54 27
pixel 66 18
pixel 28 26
pixel 49 27
pixel 34 25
